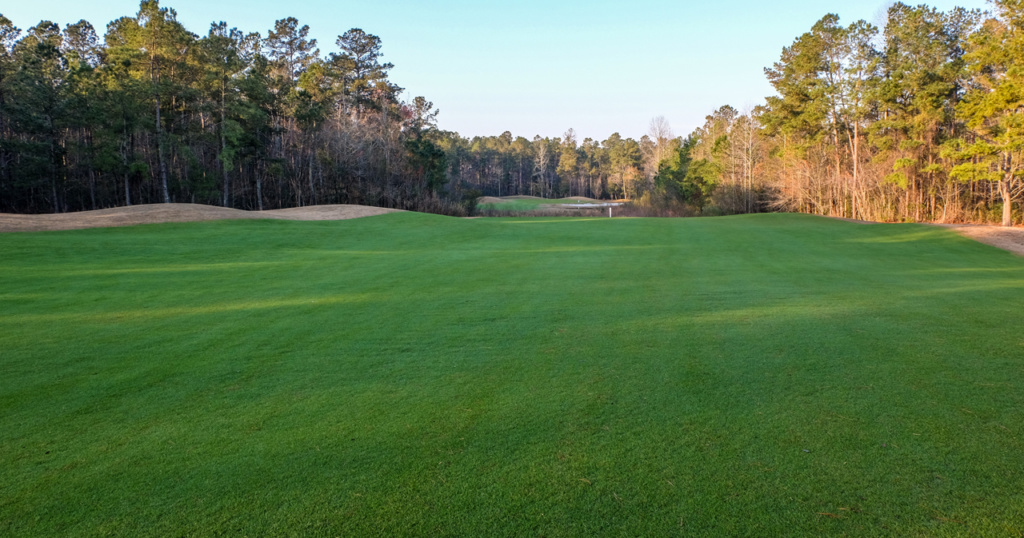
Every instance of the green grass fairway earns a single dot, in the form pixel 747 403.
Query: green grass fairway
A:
pixel 420 375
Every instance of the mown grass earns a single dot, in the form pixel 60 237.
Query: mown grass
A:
pixel 527 204
pixel 421 375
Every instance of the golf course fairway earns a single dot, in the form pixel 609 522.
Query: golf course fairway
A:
pixel 412 374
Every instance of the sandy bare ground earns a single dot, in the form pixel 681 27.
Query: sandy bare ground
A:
pixel 157 213
pixel 1011 239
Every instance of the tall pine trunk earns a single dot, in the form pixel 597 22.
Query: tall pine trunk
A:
pixel 1004 192
pixel 92 187
pixel 160 153
pixel 223 151
pixel 53 173
pixel 856 165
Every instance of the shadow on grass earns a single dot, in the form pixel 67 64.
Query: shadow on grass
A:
pixel 188 311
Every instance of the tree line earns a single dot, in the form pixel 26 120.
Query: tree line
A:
pixel 921 120
pixel 714 170
pixel 918 121
pixel 152 112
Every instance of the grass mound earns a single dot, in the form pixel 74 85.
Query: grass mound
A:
pixel 162 213
pixel 415 374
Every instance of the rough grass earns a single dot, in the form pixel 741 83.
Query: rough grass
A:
pixel 414 374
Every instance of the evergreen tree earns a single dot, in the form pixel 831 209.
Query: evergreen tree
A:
pixel 994 151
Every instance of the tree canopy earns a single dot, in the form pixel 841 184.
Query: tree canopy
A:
pixel 920 119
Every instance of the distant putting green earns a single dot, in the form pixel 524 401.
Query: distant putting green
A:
pixel 420 375
pixel 528 204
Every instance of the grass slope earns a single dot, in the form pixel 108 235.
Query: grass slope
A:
pixel 414 374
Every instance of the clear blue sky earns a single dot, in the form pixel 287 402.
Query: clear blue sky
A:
pixel 535 66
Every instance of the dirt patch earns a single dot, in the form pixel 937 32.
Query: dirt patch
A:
pixel 159 213
pixel 1011 239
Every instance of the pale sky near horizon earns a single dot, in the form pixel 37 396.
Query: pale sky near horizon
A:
pixel 540 67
